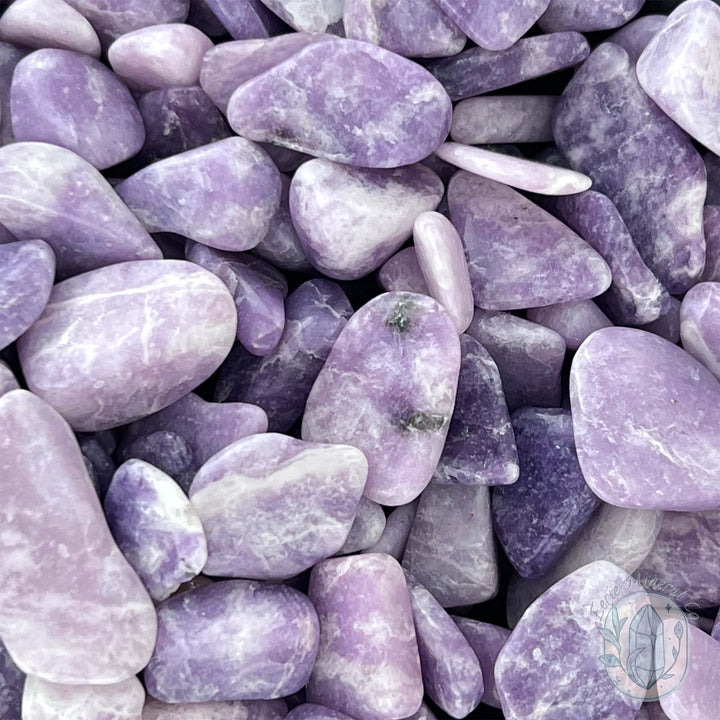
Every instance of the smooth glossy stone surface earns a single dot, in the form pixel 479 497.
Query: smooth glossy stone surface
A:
pixel 399 112
pixel 451 549
pixel 388 388
pixel 573 321
pixel 366 529
pixel 588 17
pixel 55 543
pixel 520 256
pixel 315 16
pixel 712 242
pixel 89 111
pixel 640 159
pixel 644 415
pixel 125 341
pixel 280 381
pixel 273 506
pixel 361 631
pixel 477 71
pixel 12 680
pixel 50 192
pixel 668 324
pixel 223 195
pixel 351 220
pixel 699 331
pixel 397 529
pixel 242 18
pixel 8 381
pixel 232 710
pixel 634 37
pixel 402 272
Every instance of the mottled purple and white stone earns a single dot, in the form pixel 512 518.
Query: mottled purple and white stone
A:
pixel 712 243
pixel 588 17
pixel 243 19
pixel 634 37
pixel 12 680
pixel 223 195
pixel 640 159
pixel 74 209
pixel 361 632
pixel 644 415
pixel 388 388
pixel 451 548
pixel 233 640
pixel 699 316
pixel 367 528
pixel 351 220
pixel 313 16
pixel 351 102
pixel 397 529
pixel 573 321
pixel 121 342
pixel 402 273
pixel 55 543
pixel 231 710
pixel 312 711
pixel 8 381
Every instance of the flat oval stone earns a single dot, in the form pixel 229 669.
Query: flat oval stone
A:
pixel 399 112
pixel 233 640
pixel 10 56
pixel 351 220
pixel 699 316
pixel 56 544
pixel 634 37
pixel 519 256
pixel 165 450
pixel 573 321
pixel 644 414
pixel 8 381
pixel 361 631
pixel 232 710
pixel 388 388
pixel 396 531
pixel 402 272
pixel 367 527
pixel 165 326
pixel 50 192
pixel 588 17
pixel 243 19
pixel 12 680
pixel 317 16
pixel 712 241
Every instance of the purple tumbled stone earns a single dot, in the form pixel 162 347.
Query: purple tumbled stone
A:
pixel 10 56
pixel 699 317
pixel 388 388
pixel 12 680
pixel 397 529
pixel 634 37
pixel 645 419
pixel 317 16
pixel 402 272
pixel 312 711
pixel 55 544
pixel 233 640
pixel 668 324
pixel 121 342
pixel 203 18
pixel 353 103
pixel 367 527
pixel 588 17
pixel 362 631
pixel 241 18
pixel 100 460
pixel 573 321
pixel 712 242
pixel 232 710
pixel 712 168
pixel 8 382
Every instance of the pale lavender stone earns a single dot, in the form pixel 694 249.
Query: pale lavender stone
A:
pixel 367 528
pixel 312 711
pixel 413 28
pixel 90 111
pixel 51 193
pixel 712 242
pixel 56 544
pixel 640 159
pixel 477 71
pixel 9 57
pixel 102 465
pixel 573 321
pixel 8 382
pixel 353 103
pixel 644 413
pixel 395 534
pixel 273 506
pixel 588 17
pixel 48 24
pixel 634 37
pixel 388 388
pixel 121 342
pixel 712 168
pixel 668 324
pixel 280 382
pixel 351 220
pixel 451 548
pixel 363 631
pixel 243 19
pixel 233 640
pixel 315 16
pixel 12 680
pixel 231 710
pixel 699 316
pixel 223 195
pixel 402 272
pixel 520 256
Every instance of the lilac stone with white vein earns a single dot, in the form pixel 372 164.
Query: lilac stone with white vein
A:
pixel 12 680
pixel 223 195
pixel 346 101
pixel 230 710
pixel 668 324
pixel 397 529
pixel 588 17
pixel 402 272
pixel 8 381
pixel 233 640
pixel 10 56
pixel 699 316
pixel 634 37
pixel 367 527
pixel 314 16
pixel 55 543
pixel 388 388
pixel 712 242
pixel 573 321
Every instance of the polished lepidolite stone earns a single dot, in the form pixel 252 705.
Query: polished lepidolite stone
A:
pixel 94 114
pixel 520 256
pixel 451 549
pixel 73 209
pixel 588 17
pixel 668 324
pixel 712 168
pixel 312 711
pixel 361 632
pixel 644 413
pixel 280 381
pixel 273 506
pixel 388 388
pixel 231 710
pixel 699 316
pixel 402 272
pixel 101 464
pixel 241 18
pixel 223 195
pixel 397 529
pixel 121 342
pixel 712 243
pixel 166 451
pixel 477 71
pixel 314 16
pixel 55 544
pixel 233 640
pixel 8 381
pixel 640 159
pixel 203 18
pixel 573 321
pixel 12 680
pixel 27 271
pixel 10 56
pixel 351 102
pixel 634 37
pixel 351 220
pixel 367 527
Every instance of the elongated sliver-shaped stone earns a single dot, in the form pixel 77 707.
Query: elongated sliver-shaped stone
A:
pixel 712 241
pixel 312 711
pixel 317 16
pixel 361 632
pixel 588 17
pixel 699 316
pixel 12 680
pixel 366 529
pixel 402 272
pixel 55 543
pixel 231 710
pixel 712 168
pixel 125 341
pixel 573 321
pixel 634 37
pixel 352 103
pixel 397 529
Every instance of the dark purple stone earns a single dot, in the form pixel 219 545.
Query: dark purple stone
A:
pixel 100 460
pixel 10 56
pixel 12 680
pixel 240 18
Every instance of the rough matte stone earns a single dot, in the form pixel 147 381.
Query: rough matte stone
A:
pixel 10 56
pixel 232 710
pixel 634 37
pixel 313 16
pixel 588 17
pixel 712 242
pixel 8 381
pixel 397 529
pixel 402 273
pixel 367 527
pixel 12 680
pixel 573 321
pixel 699 316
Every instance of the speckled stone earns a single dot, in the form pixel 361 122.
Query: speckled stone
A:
pixel 402 273
pixel 243 19
pixel 644 413
pixel 634 37
pixel 588 17
pixel 315 16
pixel 573 321
pixel 312 711
pixel 668 324
pixel 388 388
pixel 8 382
pixel 61 547
pixel 10 56
pixel 399 112
pixel 361 631
pixel 223 195
pixel 712 242
pixel 451 549
pixel 12 680
pixel 640 159
pixel 121 342
pixel 397 529
pixel 699 316
pixel 367 527
pixel 232 710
